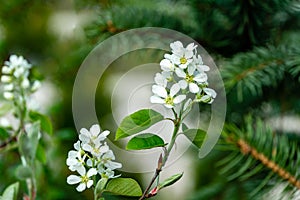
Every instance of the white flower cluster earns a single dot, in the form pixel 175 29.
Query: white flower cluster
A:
pixel 15 73
pixel 92 153
pixel 183 77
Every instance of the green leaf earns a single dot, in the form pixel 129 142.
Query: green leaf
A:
pixel 100 188
pixel 124 187
pixel 41 154
pixel 11 192
pixel 195 135
pixel 46 125
pixel 137 122
pixel 170 181
pixel 145 141
pixel 3 134
pixel 28 141
pixel 184 127
pixel 5 108
pixel 23 172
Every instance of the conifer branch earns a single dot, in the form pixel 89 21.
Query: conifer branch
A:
pixel 246 149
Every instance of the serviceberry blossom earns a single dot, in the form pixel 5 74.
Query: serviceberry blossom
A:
pixel 183 79
pixel 91 154
pixel 169 99
pixel 15 78
pixel 83 180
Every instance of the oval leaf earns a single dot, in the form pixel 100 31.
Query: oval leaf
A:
pixel 145 141
pixel 195 135
pixel 11 192
pixel 124 187
pixel 169 181
pixel 137 122
pixel 46 125
pixel 100 187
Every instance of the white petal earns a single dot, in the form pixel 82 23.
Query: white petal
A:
pixel 84 131
pixel 189 54
pixel 176 46
pixel 89 183
pixel 77 145
pixel 210 92
pixel 193 88
pixel 169 106
pixel 113 165
pixel 165 65
pixel 203 68
pixel 183 66
pixel 191 47
pixel 180 73
pixel 174 89
pixel 104 149
pixel 191 69
pixel 160 80
pixel 159 90
pixel 103 135
pixel 95 129
pixel 87 147
pixel 81 187
pixel 71 161
pixel 109 155
pixel 183 84
pixel 73 179
pixel 179 99
pixel 81 170
pixel 156 99
pixel 201 77
pixel 91 172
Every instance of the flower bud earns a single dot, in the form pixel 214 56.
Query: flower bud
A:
pixel 35 86
pixel 8 87
pixel 6 79
pixel 19 72
pixel 7 70
pixel 8 95
pixel 25 83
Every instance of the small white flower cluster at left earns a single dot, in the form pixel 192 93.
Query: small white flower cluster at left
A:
pixel 91 156
pixel 183 77
pixel 15 78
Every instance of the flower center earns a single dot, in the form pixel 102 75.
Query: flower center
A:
pixel 84 179
pixel 183 60
pixel 169 100
pixel 189 78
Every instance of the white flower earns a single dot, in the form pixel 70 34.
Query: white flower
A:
pixel 192 78
pixel 107 173
pixel 17 61
pixel 163 97
pixel 83 179
pixel 182 56
pixel 76 159
pixel 209 96
pixel 95 149
pixel 93 136
pixel 197 61
pixel 107 161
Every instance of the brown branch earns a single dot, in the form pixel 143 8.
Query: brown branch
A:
pixel 247 149
pixel 7 142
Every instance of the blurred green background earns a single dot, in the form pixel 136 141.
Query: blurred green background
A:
pixel 248 36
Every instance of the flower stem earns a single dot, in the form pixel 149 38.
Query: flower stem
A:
pixel 177 123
